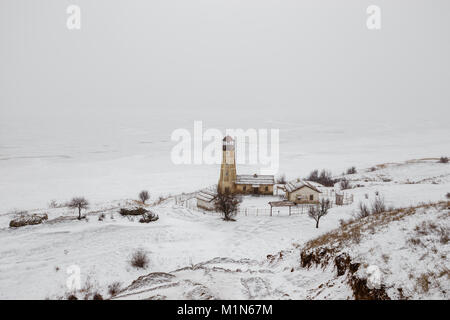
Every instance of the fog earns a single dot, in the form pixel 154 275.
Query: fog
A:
pixel 138 70
pixel 285 59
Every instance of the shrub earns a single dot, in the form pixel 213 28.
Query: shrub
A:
pixel 415 242
pixel 443 160
pixel 97 296
pixel 132 212
pixel 378 206
pixel 148 217
pixel 144 196
pixel 345 184
pixel 282 179
pixel 114 288
pixel 26 219
pixel 55 204
pixel 424 228
pixel 444 236
pixel 448 195
pixel 313 176
pixel 323 178
pixel 355 236
pixel 72 297
pixel 139 259
pixel 160 200
pixel 87 287
pixel 363 210
pixel 351 170
pixel 423 282
pixel 427 228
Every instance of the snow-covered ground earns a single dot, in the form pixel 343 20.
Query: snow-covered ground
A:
pixel 34 259
pixel 406 269
pixel 102 249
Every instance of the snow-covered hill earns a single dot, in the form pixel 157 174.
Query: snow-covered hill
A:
pixel 199 256
pixel 407 247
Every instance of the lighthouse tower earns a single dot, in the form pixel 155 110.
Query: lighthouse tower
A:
pixel 228 168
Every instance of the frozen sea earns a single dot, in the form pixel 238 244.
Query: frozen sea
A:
pixel 114 156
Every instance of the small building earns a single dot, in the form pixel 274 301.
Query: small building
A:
pixel 205 199
pixel 254 184
pixel 299 191
pixel 284 203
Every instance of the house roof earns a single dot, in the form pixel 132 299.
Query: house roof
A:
pixel 283 203
pixel 298 184
pixel 255 179
pixel 206 195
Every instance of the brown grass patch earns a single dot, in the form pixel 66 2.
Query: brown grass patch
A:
pixel 423 282
pixel 350 231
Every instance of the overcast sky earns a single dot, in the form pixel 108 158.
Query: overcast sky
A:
pixel 289 58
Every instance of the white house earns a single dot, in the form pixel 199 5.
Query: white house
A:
pixel 299 191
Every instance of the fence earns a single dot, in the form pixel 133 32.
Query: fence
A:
pixel 276 211
pixel 294 210
pixel 188 200
pixel 184 199
pixel 330 194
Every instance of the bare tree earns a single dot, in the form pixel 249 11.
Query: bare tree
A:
pixel 282 179
pixel 144 196
pixel 78 203
pixel 313 176
pixel 228 204
pixel 324 177
pixel 318 211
